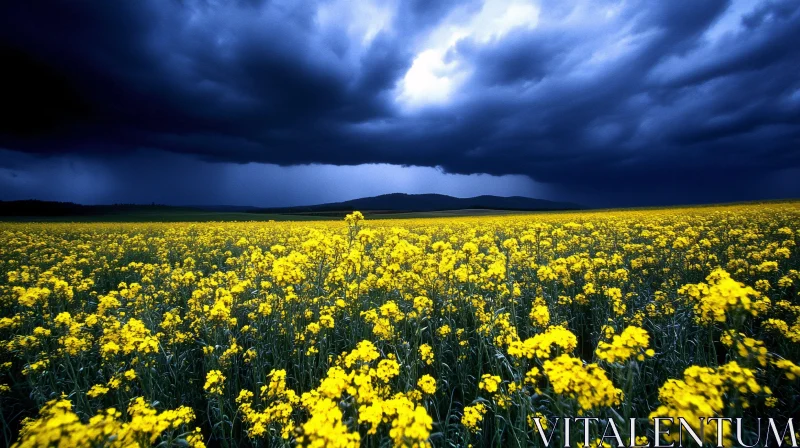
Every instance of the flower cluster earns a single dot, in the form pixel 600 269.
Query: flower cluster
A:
pixel 633 342
pixel 587 384
pixel 59 425
pixel 451 331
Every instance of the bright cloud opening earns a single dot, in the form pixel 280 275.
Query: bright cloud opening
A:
pixel 437 72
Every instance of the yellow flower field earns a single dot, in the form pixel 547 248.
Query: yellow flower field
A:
pixel 417 332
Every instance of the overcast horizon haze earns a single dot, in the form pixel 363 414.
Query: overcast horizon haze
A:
pixel 282 103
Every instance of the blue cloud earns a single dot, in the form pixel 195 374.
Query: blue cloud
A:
pixel 594 98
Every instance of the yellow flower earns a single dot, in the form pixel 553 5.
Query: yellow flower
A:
pixel 426 354
pixel 215 382
pixel 632 342
pixel 540 314
pixel 473 416
pixel 387 369
pixel 791 370
pixel 427 384
pixel 325 427
pixel 489 383
pixel 721 296
pixel 587 384
pixel 541 345
pixel 532 418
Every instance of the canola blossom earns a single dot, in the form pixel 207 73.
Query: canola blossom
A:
pixel 406 333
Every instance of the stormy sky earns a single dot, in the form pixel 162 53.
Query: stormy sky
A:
pixel 606 103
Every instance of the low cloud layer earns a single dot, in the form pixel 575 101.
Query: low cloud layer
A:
pixel 605 102
pixel 165 178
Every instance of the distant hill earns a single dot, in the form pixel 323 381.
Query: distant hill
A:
pixel 401 202
pixel 50 211
pixel 387 203
pixel 53 208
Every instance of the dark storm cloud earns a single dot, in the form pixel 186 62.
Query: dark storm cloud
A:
pixel 698 100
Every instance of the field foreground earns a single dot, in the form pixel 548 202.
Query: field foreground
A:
pixel 440 331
